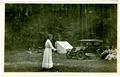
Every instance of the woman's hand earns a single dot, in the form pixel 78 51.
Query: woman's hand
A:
pixel 55 49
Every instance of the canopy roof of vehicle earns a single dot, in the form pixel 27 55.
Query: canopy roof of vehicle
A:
pixel 90 40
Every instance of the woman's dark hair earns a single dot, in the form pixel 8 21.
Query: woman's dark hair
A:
pixel 110 47
pixel 49 36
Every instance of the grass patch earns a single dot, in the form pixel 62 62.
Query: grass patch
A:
pixel 24 62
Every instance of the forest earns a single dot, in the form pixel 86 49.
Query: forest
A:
pixel 26 25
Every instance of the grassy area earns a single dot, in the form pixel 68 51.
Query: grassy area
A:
pixel 22 61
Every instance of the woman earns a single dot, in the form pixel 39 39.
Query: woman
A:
pixel 47 56
pixel 112 54
pixel 104 53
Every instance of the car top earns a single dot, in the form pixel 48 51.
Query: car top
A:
pixel 90 40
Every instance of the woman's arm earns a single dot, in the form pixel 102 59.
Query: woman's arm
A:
pixel 51 46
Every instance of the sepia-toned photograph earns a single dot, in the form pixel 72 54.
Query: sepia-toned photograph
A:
pixel 60 38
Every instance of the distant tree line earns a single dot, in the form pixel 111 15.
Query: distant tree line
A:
pixel 26 25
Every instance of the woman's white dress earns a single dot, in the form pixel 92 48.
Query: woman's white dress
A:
pixel 47 56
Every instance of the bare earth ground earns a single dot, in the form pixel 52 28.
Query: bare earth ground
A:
pixel 21 61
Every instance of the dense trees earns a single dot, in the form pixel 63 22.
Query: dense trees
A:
pixel 27 24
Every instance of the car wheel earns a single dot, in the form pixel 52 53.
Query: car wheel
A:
pixel 80 54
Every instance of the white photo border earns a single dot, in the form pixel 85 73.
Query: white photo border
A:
pixel 51 74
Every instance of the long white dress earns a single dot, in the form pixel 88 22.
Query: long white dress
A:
pixel 47 56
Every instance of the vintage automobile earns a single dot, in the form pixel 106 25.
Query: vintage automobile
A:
pixel 86 46
pixel 74 53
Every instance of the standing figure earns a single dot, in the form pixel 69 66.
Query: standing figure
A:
pixel 47 55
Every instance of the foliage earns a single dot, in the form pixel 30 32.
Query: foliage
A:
pixel 26 25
